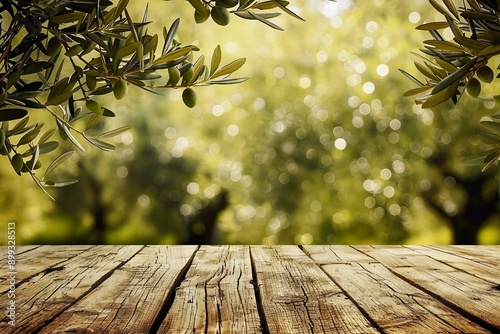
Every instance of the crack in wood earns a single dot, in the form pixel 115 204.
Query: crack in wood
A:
pixel 169 299
pixel 104 277
pixel 260 308
pixel 310 323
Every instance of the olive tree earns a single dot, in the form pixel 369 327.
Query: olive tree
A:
pixel 463 64
pixel 59 57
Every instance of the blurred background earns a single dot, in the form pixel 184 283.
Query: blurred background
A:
pixel 318 147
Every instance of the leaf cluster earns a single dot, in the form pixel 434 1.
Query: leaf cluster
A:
pixel 452 67
pixel 104 51
pixel 220 10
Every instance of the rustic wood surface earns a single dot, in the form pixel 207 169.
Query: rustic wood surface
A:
pixel 254 289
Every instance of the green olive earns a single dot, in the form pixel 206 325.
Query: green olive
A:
pixel 120 89
pixel 17 162
pixel 473 87
pixel 485 74
pixel 189 97
pixel 93 106
pixel 53 46
pixel 220 15
pixel 174 74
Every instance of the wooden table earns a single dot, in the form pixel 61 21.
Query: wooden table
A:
pixel 253 289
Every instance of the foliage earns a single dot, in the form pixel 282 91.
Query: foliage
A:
pixel 461 64
pixel 318 146
pixel 105 51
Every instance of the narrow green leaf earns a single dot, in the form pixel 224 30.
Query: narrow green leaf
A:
pixel 20 127
pixel 425 71
pixel 143 76
pixel 477 159
pixel 227 81
pixel 12 114
pixel 120 7
pixel 39 184
pixel 69 135
pixel 74 50
pixel 453 77
pixel 216 58
pixel 439 8
pixel 492 125
pixel 264 20
pixel 197 69
pixel 432 26
pixel 58 87
pixel 198 6
pixel 25 95
pixel 172 55
pixel 99 143
pixel 132 27
pixel 435 99
pixel 48 146
pixel 28 137
pixel 13 78
pixel 58 184
pixel 36 155
pixel 93 121
pixel 286 10
pixel 270 4
pixel 153 44
pixel 491 159
pixel 490 51
pixel 63 97
pixel 489 138
pixel 417 91
pixel 447 66
pixel 127 50
pixel 229 68
pixel 57 161
pixel 115 132
pixel 478 15
pixel 451 7
pixel 169 38
pixel 67 18
pixel 444 45
pixel 411 77
pixel 244 14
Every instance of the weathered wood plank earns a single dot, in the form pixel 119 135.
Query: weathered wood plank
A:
pixel 216 296
pixel 337 254
pixel 472 267
pixel 31 261
pixel 19 250
pixel 393 304
pixel 131 298
pixel 298 297
pixel 468 294
pixel 44 296
pixel 486 255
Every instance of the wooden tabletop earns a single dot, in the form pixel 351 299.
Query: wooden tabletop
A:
pixel 252 289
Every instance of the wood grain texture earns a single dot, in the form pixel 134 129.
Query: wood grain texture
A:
pixel 486 255
pixel 471 266
pixel 475 297
pixel 130 299
pixel 393 304
pixel 31 261
pixel 298 297
pixel 216 296
pixel 254 289
pixel 44 296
